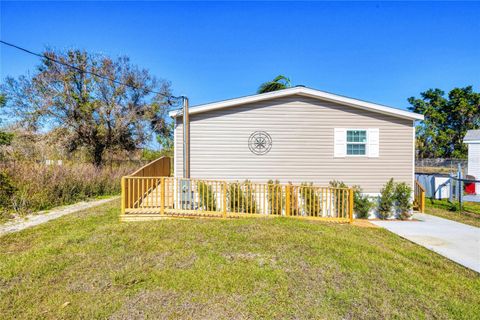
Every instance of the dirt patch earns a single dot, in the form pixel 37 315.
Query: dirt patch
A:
pixel 6 285
pixel 185 262
pixel 262 260
pixel 364 224
pixel 429 241
pixel 159 304
pixel 97 284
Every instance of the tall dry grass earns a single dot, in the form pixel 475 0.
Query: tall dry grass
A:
pixel 38 186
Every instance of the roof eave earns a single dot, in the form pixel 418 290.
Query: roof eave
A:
pixel 305 92
pixel 471 141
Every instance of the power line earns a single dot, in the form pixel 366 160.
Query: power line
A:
pixel 85 71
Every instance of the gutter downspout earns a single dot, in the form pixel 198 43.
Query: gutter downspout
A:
pixel 186 139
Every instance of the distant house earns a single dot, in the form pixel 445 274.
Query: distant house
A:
pixel 472 139
pixel 299 135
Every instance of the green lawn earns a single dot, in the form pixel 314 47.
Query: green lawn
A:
pixel 470 211
pixel 88 265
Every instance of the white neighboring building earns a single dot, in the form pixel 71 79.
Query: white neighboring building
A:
pixel 472 139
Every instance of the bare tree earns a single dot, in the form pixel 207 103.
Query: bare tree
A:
pixel 100 104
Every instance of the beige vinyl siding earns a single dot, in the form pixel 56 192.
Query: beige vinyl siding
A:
pixel 302 131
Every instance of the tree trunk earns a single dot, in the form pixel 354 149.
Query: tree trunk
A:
pixel 97 155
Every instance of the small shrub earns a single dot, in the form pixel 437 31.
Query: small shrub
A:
pixel 403 202
pixel 294 208
pixel 361 203
pixel 337 184
pixel 387 199
pixel 236 198
pixel 241 197
pixel 250 201
pixel 7 189
pixel 310 199
pixel 275 197
pixel 207 198
pixel 340 198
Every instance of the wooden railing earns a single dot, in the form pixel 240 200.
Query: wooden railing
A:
pixel 156 168
pixel 160 197
pixel 419 197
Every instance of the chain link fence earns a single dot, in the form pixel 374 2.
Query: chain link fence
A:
pixel 439 165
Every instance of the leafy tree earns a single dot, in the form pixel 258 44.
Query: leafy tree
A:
pixel 150 155
pixel 98 113
pixel 447 120
pixel 166 139
pixel 5 137
pixel 279 83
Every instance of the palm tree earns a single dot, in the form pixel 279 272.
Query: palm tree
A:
pixel 279 83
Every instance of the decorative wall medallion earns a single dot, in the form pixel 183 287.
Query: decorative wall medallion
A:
pixel 260 142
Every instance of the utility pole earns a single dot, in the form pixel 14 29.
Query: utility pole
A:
pixel 186 139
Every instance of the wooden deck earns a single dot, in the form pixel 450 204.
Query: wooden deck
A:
pixel 151 198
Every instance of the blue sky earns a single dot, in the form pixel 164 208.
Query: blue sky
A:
pixel 378 51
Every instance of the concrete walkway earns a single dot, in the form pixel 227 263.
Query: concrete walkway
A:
pixel 44 216
pixel 456 241
pixel 471 198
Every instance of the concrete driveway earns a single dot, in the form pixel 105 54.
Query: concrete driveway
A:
pixel 471 198
pixel 456 241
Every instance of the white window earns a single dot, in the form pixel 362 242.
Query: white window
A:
pixel 356 142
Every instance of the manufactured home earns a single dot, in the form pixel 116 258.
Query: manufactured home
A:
pixel 298 135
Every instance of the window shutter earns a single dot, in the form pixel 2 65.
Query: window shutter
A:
pixel 340 142
pixel 373 143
